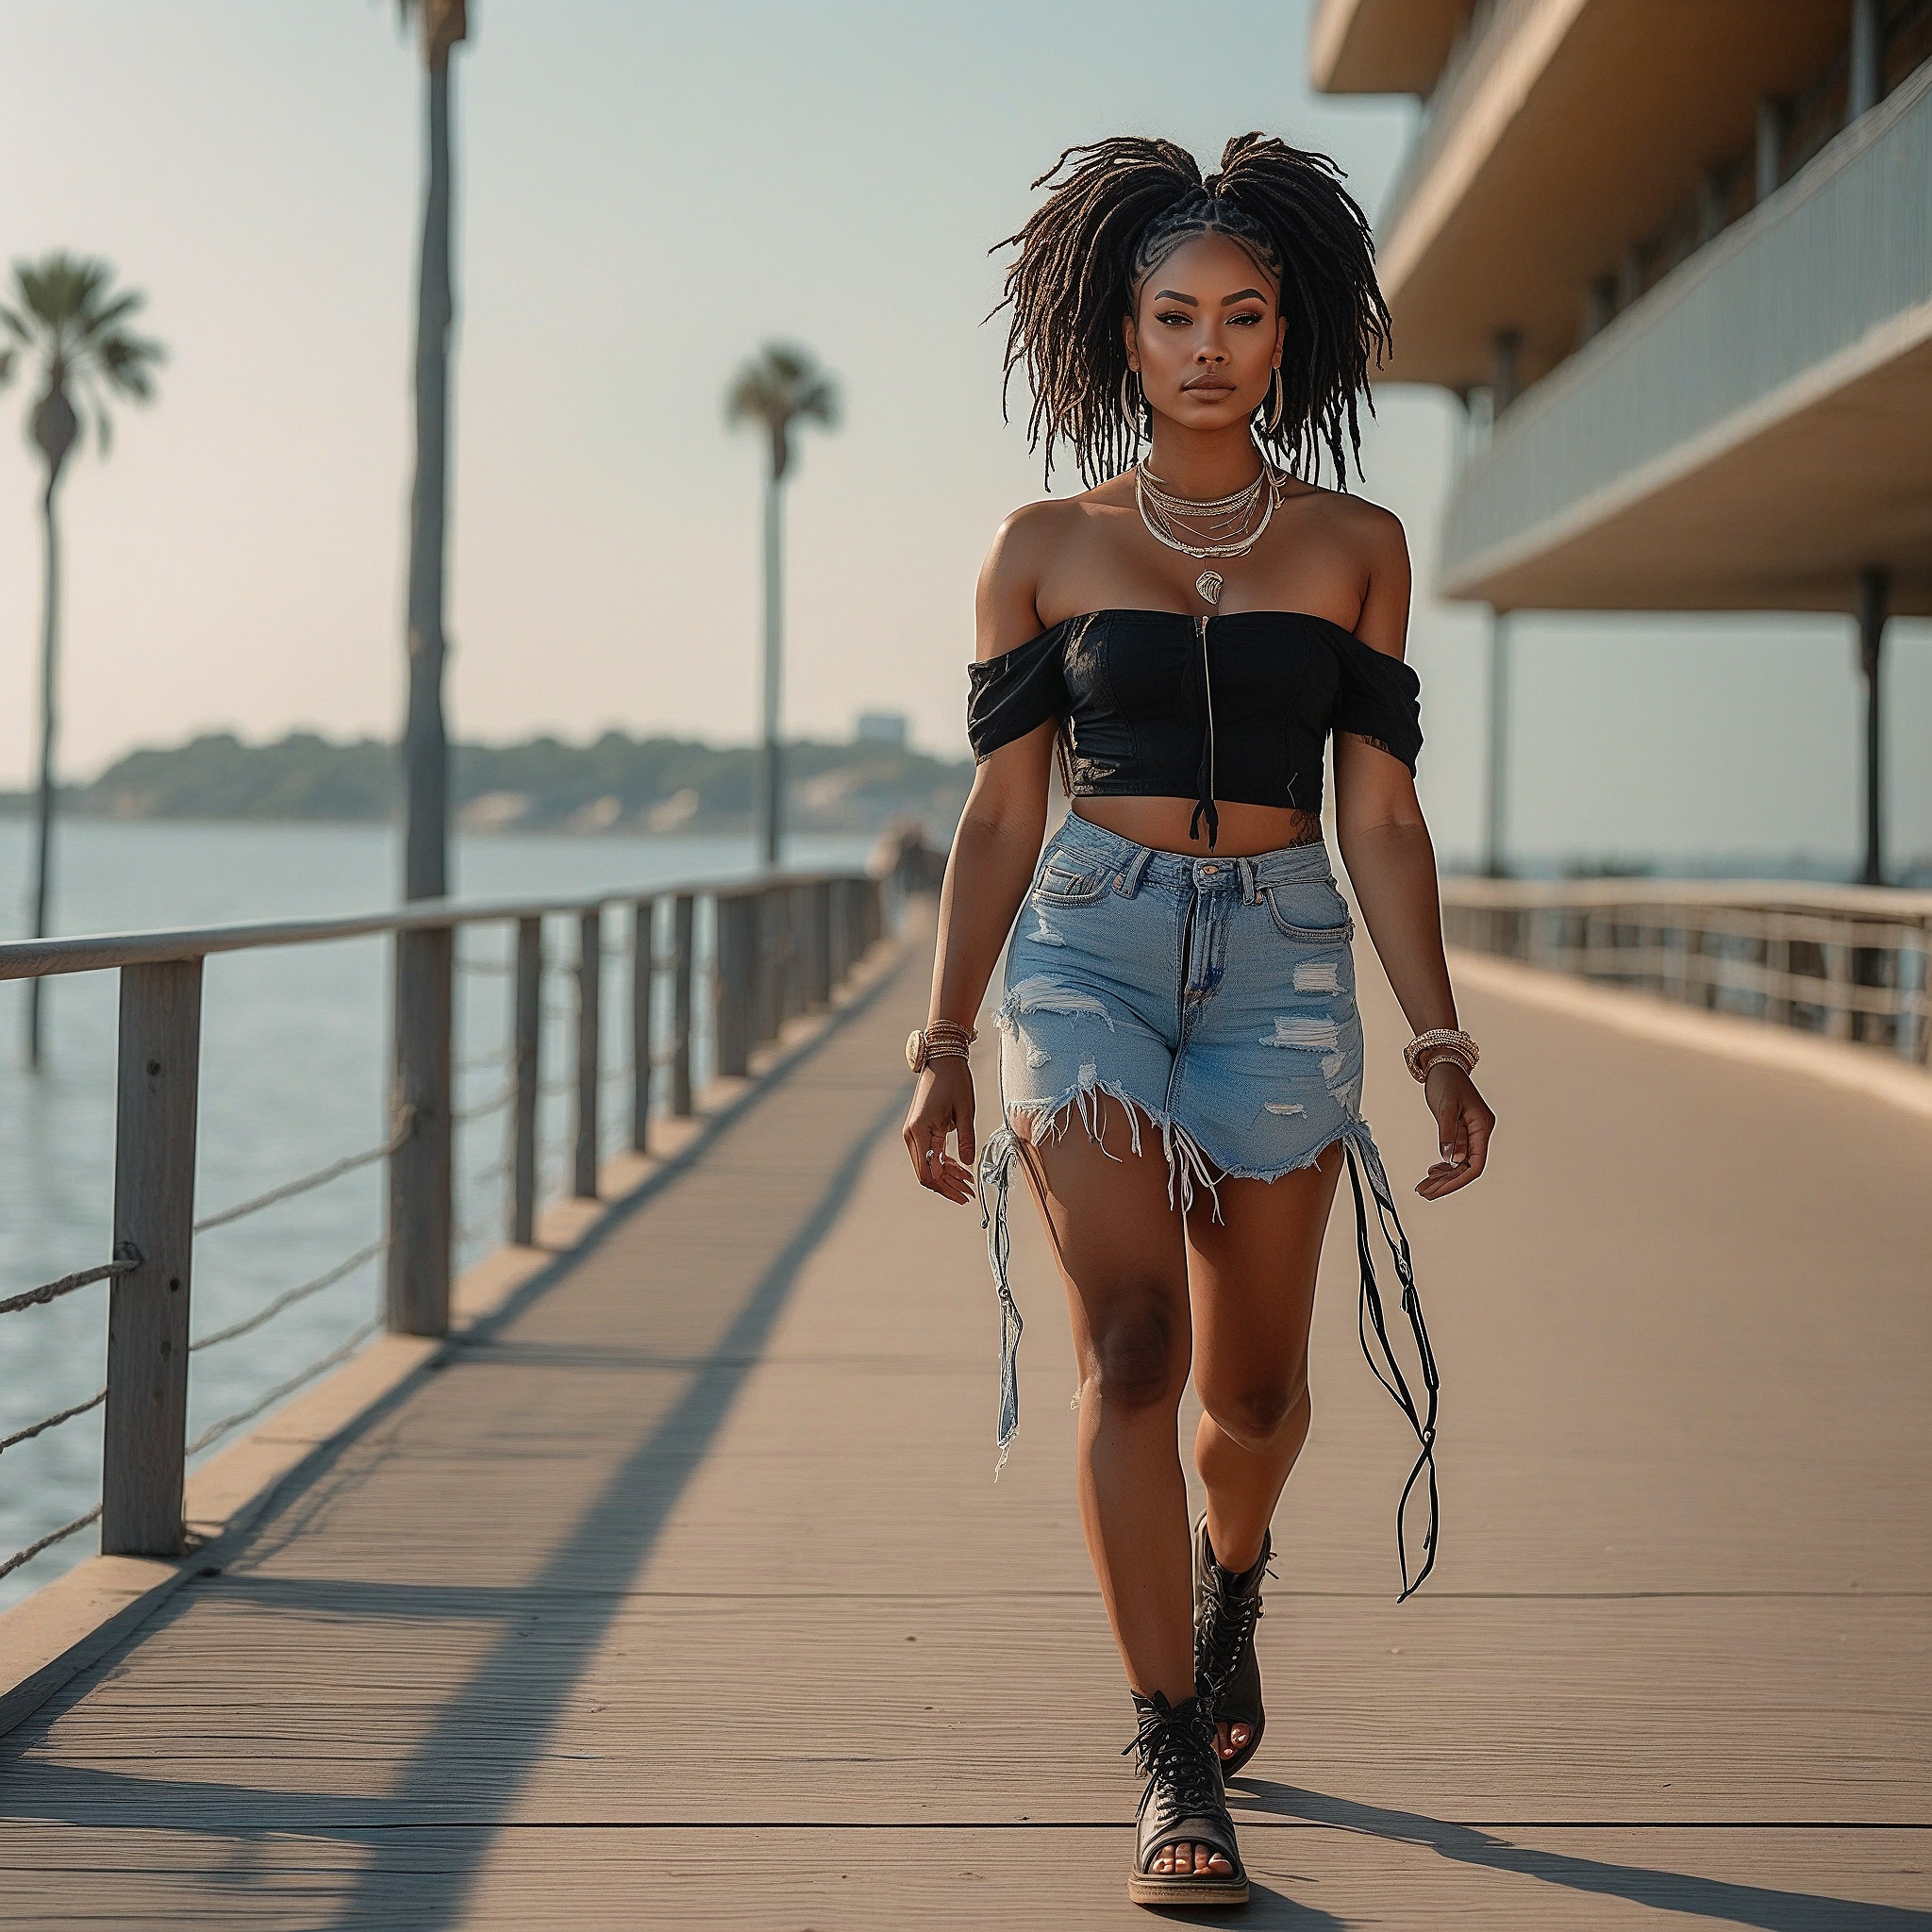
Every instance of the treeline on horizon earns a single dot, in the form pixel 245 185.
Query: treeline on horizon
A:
pixel 615 783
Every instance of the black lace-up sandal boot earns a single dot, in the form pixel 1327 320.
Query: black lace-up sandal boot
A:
pixel 1183 1804
pixel 1227 1674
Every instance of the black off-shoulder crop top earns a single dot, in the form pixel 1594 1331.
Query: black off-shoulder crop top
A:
pixel 1236 706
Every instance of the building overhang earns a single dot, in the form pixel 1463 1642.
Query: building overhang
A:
pixel 1382 46
pixel 1565 131
pixel 1751 434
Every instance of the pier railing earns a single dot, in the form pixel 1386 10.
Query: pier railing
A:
pixel 779 946
pixel 1846 961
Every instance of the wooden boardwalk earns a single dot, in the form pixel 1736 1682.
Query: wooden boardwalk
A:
pixel 683 1597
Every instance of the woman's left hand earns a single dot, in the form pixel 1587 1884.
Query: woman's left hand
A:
pixel 1463 1126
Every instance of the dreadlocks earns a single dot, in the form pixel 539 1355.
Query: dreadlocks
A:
pixel 1114 210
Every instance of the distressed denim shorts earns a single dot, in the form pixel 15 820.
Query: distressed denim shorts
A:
pixel 1215 999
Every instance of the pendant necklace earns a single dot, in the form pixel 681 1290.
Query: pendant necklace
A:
pixel 1216 528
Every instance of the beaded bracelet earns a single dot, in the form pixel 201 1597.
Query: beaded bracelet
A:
pixel 1439 1043
pixel 943 1039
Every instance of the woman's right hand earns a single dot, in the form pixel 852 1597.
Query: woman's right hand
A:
pixel 942 1104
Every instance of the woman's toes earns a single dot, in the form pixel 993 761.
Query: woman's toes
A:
pixel 1238 1735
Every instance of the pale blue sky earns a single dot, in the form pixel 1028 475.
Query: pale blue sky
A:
pixel 646 193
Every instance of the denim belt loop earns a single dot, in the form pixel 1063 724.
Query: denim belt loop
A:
pixel 1126 881
pixel 1251 890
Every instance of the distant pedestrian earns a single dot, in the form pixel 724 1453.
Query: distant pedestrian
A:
pixel 1180 1052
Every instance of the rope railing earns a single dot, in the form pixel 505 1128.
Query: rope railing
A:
pixel 215 1431
pixel 53 1290
pixel 52 1421
pixel 728 984
pixel 47 1541
pixel 320 1178
pixel 463 1116
pixel 287 1299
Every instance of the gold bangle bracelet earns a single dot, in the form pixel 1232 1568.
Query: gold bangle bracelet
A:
pixel 1439 1043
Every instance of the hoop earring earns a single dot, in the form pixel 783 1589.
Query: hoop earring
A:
pixel 1276 405
pixel 1134 408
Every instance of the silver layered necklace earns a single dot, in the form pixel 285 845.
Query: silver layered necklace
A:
pixel 1228 525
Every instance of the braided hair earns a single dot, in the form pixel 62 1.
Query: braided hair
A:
pixel 1114 210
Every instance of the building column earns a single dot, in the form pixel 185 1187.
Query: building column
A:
pixel 1714 205
pixel 1772 114
pixel 1874 600
pixel 1508 385
pixel 1495 792
pixel 1865 79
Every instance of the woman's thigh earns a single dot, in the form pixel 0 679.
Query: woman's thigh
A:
pixel 1122 1251
pixel 1252 1285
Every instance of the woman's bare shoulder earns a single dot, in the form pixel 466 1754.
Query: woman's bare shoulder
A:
pixel 1370 543
pixel 1023 548
pixel 1367 529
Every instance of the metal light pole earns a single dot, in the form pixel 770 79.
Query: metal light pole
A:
pixel 771 776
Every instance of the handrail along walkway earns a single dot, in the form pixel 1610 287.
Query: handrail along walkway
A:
pixel 782 943
pixel 1850 962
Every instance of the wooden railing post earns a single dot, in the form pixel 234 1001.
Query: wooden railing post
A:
pixel 590 1012
pixel 682 909
pixel 421 1198
pixel 839 923
pixel 793 914
pixel 146 1423
pixel 527 1051
pixel 764 968
pixel 733 981
pixel 818 949
pixel 643 980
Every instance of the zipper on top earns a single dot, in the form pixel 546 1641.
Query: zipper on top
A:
pixel 1205 804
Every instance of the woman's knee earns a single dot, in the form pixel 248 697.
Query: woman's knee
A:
pixel 1139 1351
pixel 1260 1414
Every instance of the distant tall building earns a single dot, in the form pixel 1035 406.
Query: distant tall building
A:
pixel 1677 258
pixel 882 727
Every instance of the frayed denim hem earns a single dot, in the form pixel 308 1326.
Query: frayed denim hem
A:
pixel 1188 1168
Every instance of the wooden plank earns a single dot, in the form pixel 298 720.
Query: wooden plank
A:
pixel 1399 1870
pixel 991 1708
pixel 146 1420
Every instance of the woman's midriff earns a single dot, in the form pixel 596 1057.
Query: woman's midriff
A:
pixel 1246 831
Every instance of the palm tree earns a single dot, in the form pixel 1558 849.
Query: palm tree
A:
pixel 67 318
pixel 781 385
pixel 425 747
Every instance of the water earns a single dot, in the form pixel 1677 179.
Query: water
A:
pixel 294 1074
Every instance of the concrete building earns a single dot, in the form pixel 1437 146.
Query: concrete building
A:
pixel 1676 256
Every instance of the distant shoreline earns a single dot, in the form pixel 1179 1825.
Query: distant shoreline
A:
pixel 614 784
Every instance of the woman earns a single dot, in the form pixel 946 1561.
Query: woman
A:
pixel 1180 1056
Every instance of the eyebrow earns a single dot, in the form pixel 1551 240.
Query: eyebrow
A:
pixel 1227 300
pixel 1176 295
